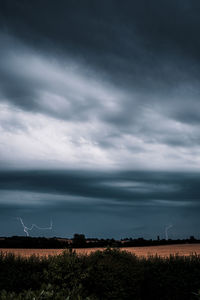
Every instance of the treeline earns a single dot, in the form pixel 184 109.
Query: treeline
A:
pixel 32 242
pixel 107 275
pixel 80 241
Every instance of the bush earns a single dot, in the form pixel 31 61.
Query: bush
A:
pixel 110 274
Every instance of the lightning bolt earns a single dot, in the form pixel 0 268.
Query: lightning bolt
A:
pixel 166 230
pixel 27 229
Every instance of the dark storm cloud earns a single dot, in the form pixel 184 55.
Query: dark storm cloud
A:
pixel 74 23
pixel 101 204
pixel 147 53
pixel 104 31
pixel 100 85
pixel 149 188
pixel 146 47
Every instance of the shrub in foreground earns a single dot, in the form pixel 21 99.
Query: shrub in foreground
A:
pixel 110 274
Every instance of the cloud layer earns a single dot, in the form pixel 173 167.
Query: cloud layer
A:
pixel 102 203
pixel 104 96
pixel 59 112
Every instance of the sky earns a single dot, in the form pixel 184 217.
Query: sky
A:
pixel 100 117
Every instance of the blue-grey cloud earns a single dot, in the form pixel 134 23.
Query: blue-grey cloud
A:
pixel 110 89
pixel 124 200
pixel 124 187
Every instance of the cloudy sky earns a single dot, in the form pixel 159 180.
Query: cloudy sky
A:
pixel 100 117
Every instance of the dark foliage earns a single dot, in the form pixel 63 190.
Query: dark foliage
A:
pixel 79 241
pixel 110 274
pixel 33 242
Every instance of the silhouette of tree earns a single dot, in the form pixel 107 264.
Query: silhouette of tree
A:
pixel 79 240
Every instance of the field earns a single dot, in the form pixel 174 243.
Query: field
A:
pixel 162 251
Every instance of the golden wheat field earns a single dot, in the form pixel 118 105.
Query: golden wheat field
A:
pixel 163 251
